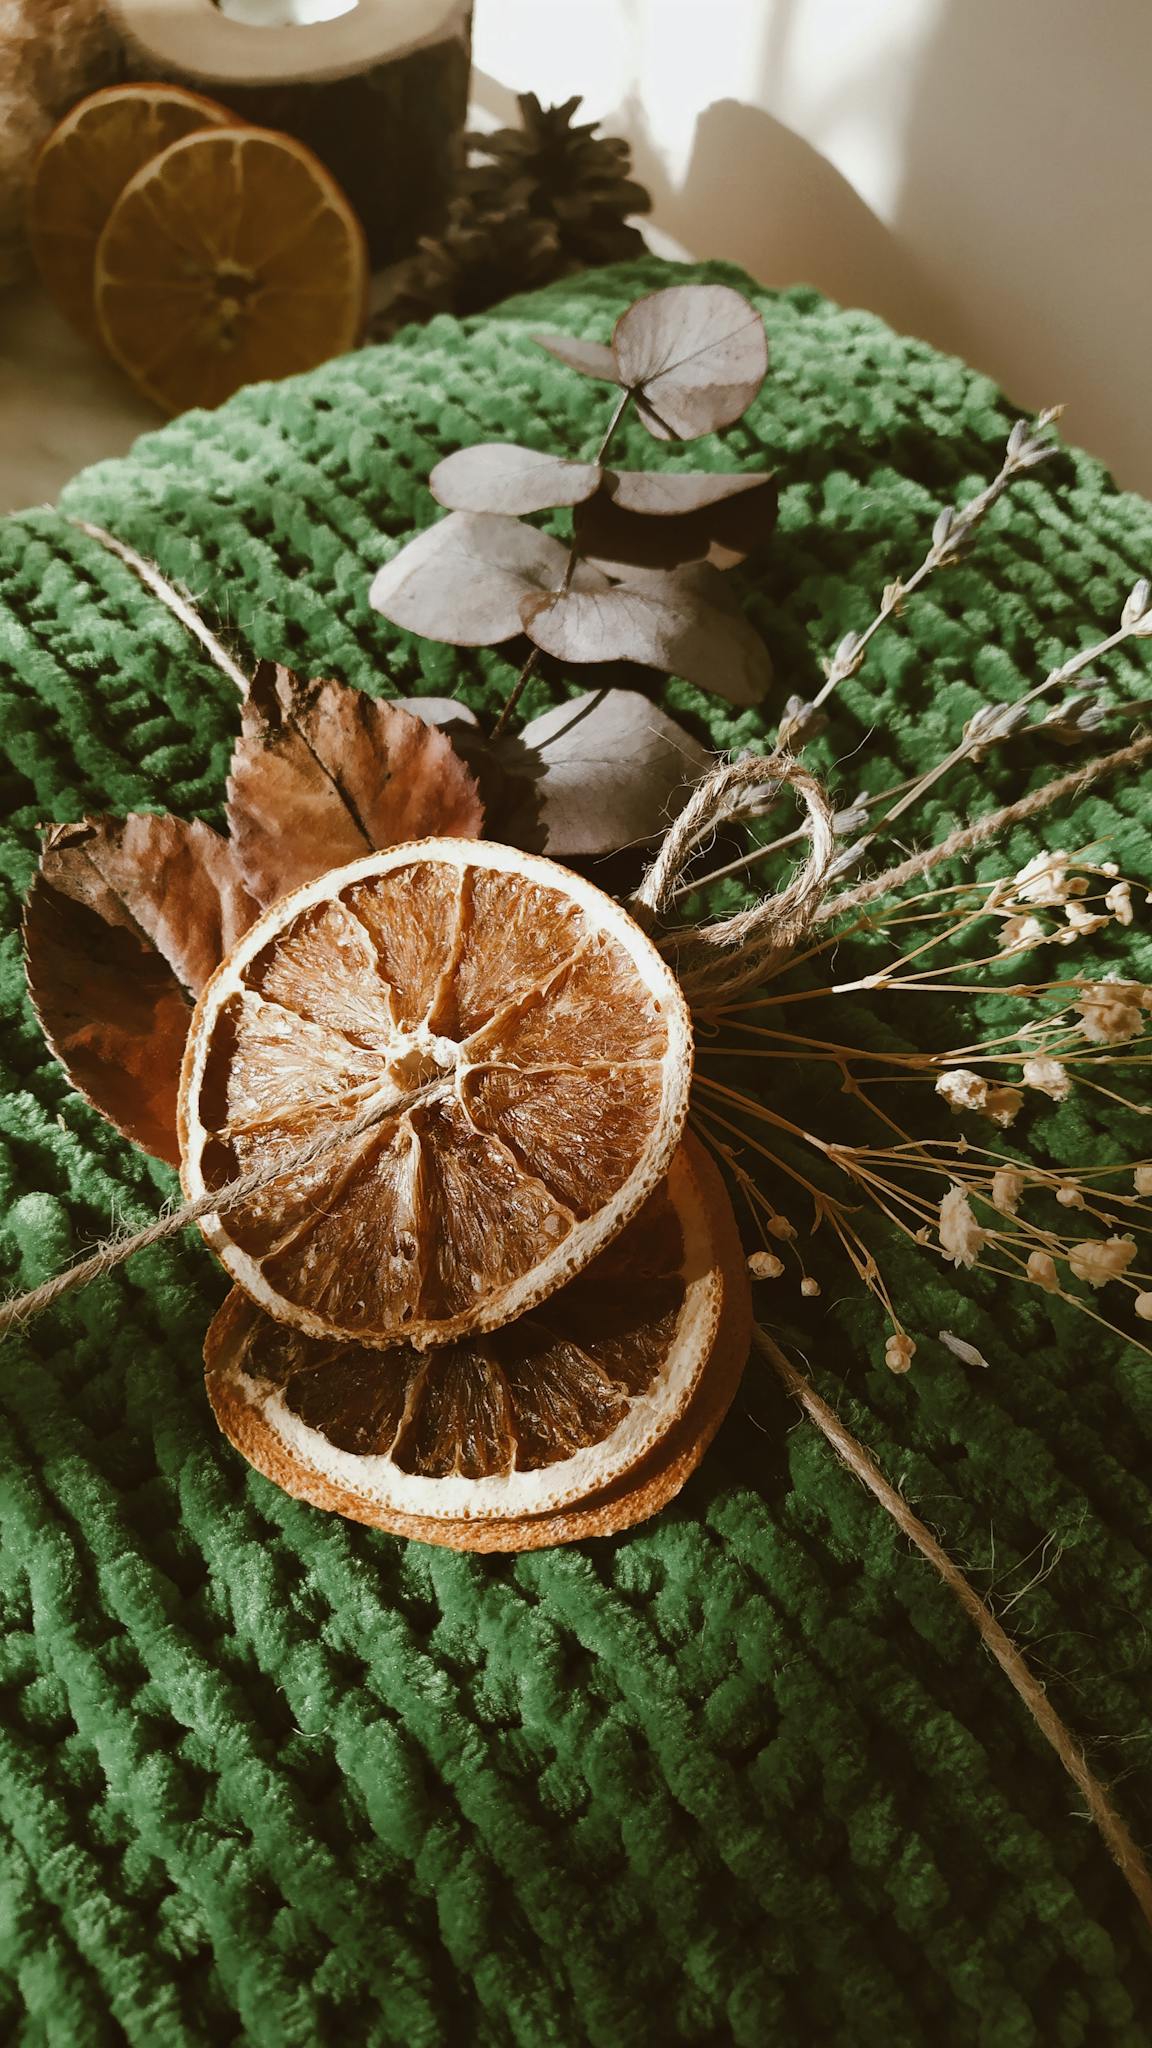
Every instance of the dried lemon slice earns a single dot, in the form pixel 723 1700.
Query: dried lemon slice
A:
pixel 580 1418
pixel 83 168
pixel 529 1052
pixel 231 257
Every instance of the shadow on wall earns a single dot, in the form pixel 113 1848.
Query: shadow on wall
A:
pixel 758 194
pixel 1016 233
pixel 1026 174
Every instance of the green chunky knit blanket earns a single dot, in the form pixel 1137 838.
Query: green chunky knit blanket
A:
pixel 743 1774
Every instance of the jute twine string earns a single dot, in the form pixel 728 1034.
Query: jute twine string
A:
pixel 714 962
pixel 113 1251
pixel 718 961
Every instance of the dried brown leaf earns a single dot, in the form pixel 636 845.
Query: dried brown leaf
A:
pixel 694 355
pixel 500 476
pixel 610 769
pixel 465 579
pixel 664 624
pixel 591 358
pixel 620 536
pixel 322 774
pixel 124 924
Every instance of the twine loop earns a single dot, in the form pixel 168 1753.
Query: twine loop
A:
pixel 716 961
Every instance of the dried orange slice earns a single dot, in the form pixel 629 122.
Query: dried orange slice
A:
pixel 530 1053
pixel 81 171
pixel 584 1416
pixel 233 256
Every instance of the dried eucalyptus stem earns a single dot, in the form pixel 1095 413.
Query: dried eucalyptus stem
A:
pixel 533 662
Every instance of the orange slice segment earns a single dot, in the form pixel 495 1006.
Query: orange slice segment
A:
pixel 529 1053
pixel 83 168
pixel 233 256
pixel 584 1416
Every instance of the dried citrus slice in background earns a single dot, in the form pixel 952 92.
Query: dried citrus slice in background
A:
pixel 530 1052
pixel 580 1418
pixel 233 256
pixel 82 170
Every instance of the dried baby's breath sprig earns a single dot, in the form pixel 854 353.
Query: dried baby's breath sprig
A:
pixel 1067 1231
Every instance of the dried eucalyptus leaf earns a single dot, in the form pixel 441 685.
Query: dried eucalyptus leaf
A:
pixel 694 355
pixel 127 919
pixel 620 537
pixel 438 710
pixel 591 358
pixel 664 494
pixel 500 476
pixel 669 628
pixel 611 770
pixel 323 774
pixel 465 579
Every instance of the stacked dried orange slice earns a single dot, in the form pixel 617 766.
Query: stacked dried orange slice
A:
pixel 204 253
pixel 512 1309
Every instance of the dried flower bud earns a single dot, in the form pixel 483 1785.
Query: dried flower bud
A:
pixel 962 1089
pixel 779 1226
pixel 1069 1195
pixel 994 722
pixel 1018 439
pixel 1143 1306
pixel 1137 603
pixel 1142 1180
pixel 961 1349
pixel 1119 902
pixel 846 860
pixel 1044 879
pixel 942 526
pixel 1084 921
pixel 1098 1260
pixel 1020 934
pixel 1007 1188
pixel 1111 1011
pixel 801 721
pixel 1042 1269
pixel 1048 1075
pixel 809 1286
pixel 892 600
pixel 848 655
pixel 900 1350
pixel 961 1237
pixel 1003 1105
pixel 765 1266
pixel 854 819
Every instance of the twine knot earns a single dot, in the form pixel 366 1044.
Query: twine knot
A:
pixel 716 961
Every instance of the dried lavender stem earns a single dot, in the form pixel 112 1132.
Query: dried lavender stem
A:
pixel 952 529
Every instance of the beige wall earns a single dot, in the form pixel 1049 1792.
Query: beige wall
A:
pixel 978 171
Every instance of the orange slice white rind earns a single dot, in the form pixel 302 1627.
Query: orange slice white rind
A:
pixel 665 1311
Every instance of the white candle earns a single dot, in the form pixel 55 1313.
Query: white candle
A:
pixel 283 13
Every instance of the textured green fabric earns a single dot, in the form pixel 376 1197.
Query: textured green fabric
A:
pixel 740 1775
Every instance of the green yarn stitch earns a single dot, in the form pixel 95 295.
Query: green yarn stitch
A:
pixel 742 1775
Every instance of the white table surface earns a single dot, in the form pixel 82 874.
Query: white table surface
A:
pixel 62 405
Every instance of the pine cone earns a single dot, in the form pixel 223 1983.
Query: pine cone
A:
pixel 564 174
pixel 479 258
